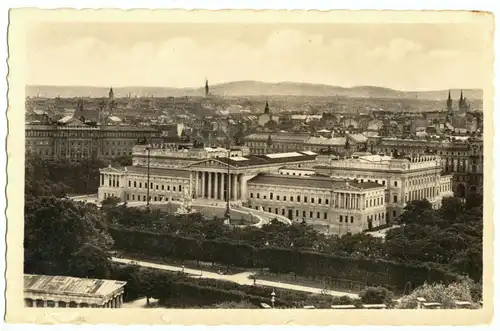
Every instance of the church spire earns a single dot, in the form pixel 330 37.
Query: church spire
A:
pixel 461 95
pixel 207 89
pixel 449 102
pixel 266 109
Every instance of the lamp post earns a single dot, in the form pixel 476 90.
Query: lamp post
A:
pixel 148 148
pixel 272 298
pixel 228 191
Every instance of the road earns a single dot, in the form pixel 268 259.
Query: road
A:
pixel 240 278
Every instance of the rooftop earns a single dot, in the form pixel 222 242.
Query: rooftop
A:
pixel 64 285
pixel 166 172
pixel 314 181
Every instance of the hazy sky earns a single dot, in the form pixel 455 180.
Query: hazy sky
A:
pixel 403 56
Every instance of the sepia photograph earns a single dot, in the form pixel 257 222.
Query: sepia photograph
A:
pixel 273 161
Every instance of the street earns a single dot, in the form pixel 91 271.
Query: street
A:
pixel 240 278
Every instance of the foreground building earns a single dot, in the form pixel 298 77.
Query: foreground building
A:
pixel 71 292
pixel 343 206
pixel 403 180
pixel 346 195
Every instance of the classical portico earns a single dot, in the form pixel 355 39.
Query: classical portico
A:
pixel 214 179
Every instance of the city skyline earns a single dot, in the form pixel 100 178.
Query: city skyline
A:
pixel 407 57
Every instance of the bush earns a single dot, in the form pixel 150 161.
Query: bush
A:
pixel 376 295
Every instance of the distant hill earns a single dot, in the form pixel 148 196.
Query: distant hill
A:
pixel 251 88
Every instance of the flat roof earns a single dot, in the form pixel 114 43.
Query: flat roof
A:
pixel 313 181
pixel 167 172
pixel 64 285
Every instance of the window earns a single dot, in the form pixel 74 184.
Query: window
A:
pixel 298 198
pixel 276 211
pixel 282 212
pixel 291 198
pixel 270 209
pixel 284 198
pixel 163 187
pixel 264 197
pixel 326 201
pixel 156 186
pixel 297 213
pixel 277 197
pixel 271 195
pixel 305 199
pixel 303 213
pixel 383 182
pixel 312 200
pixel 319 200
pixel 325 216
pixel 180 188
pixel 173 188
pixel 258 195
pixel 352 219
pixel 140 185
pixel 395 199
pixel 395 184
pixel 340 218
pixel 128 197
pixel 317 214
pixel 133 197
pixel 311 214
pixel 129 183
pixel 168 188
pixel 251 195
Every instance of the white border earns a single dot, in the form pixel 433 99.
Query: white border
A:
pixel 214 4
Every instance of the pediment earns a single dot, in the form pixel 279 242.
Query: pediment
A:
pixel 111 170
pixel 211 164
pixel 347 187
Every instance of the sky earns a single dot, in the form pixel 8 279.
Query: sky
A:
pixel 400 56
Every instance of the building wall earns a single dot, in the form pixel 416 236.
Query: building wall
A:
pixel 54 141
pixel 318 206
pixel 420 180
pixel 133 187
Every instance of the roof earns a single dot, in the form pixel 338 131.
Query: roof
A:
pixel 336 141
pixel 64 285
pixel 279 136
pixel 357 137
pixel 314 181
pixel 268 159
pixel 166 172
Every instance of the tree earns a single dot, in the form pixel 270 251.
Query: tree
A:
pixel 66 238
pixel 451 209
pixel 446 295
pixel 376 295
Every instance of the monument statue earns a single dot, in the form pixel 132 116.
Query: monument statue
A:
pixel 187 203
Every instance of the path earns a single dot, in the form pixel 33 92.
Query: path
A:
pixel 240 278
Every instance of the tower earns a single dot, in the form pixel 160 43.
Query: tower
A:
pixel 463 105
pixel 449 102
pixel 111 100
pixel 111 95
pixel 207 89
pixel 266 109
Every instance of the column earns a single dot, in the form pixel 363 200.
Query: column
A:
pixel 223 186
pixel 229 186
pixel 235 179
pixel 216 186
pixel 243 187
pixel 203 184
pixel 196 184
pixel 210 185
pixel 121 300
